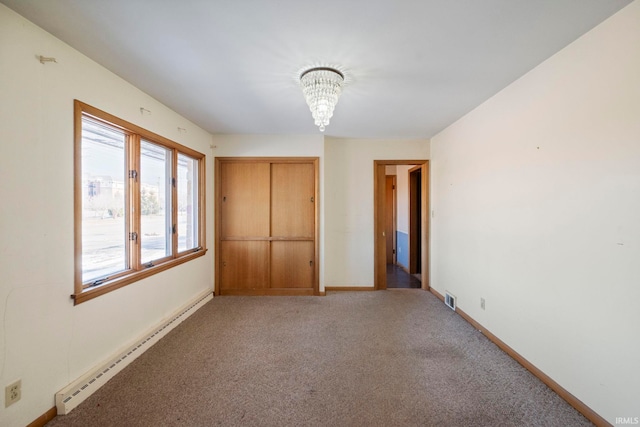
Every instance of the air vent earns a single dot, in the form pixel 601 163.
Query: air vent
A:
pixel 450 300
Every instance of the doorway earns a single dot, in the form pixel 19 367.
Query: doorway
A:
pixel 414 256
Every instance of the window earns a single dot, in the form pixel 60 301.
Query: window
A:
pixel 139 203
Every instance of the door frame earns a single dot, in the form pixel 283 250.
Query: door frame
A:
pixel 379 240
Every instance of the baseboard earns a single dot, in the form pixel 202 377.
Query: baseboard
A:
pixel 79 390
pixel 44 418
pixel 589 413
pixel 291 292
pixel 349 288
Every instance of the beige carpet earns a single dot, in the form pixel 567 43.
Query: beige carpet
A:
pixel 387 358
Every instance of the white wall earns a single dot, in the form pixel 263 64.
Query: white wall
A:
pixel 268 145
pixel 44 339
pixel 537 195
pixel 348 204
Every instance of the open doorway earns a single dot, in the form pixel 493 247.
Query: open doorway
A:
pixel 401 209
pixel 400 231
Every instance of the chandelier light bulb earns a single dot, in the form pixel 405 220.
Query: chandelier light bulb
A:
pixel 321 87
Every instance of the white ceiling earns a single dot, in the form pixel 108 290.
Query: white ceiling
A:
pixel 413 66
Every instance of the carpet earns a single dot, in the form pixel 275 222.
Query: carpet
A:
pixel 386 358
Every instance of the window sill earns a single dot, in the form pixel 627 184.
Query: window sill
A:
pixel 121 281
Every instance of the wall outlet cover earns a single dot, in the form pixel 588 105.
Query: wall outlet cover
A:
pixel 12 393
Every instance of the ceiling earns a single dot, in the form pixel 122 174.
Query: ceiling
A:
pixel 413 67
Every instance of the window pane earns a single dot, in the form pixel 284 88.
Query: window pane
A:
pixel 187 203
pixel 104 231
pixel 155 201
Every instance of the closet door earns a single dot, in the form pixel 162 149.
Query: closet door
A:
pixel 292 264
pixel 293 200
pixel 245 265
pixel 245 200
pixel 244 226
pixel 292 225
pixel 267 225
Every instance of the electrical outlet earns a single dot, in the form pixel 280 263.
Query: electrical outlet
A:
pixel 12 393
pixel 482 303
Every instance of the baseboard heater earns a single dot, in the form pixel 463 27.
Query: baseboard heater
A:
pixel 76 392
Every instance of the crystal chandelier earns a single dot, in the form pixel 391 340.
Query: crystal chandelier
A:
pixel 322 87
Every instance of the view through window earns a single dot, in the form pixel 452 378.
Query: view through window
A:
pixel 139 202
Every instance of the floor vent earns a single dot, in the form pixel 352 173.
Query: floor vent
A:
pixel 450 300
pixel 76 392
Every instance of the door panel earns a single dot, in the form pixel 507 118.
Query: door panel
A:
pixel 244 264
pixel 292 200
pixel 292 264
pixel 245 199
pixel 389 217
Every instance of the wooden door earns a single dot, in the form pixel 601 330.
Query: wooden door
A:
pixel 245 199
pixel 292 264
pixel 267 226
pixel 415 220
pixel 292 225
pixel 390 218
pixel 293 200
pixel 245 265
